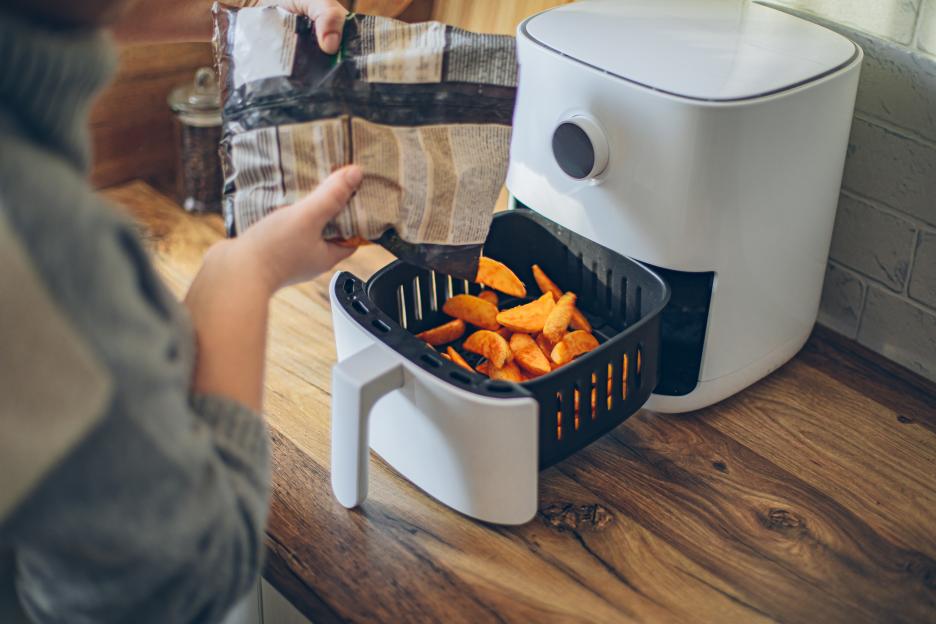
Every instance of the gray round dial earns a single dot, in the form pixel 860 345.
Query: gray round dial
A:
pixel 573 150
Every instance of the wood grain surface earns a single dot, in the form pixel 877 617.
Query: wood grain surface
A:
pixel 809 497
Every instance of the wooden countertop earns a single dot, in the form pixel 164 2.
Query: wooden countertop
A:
pixel 810 497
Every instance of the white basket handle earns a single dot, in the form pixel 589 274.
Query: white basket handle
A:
pixel 357 384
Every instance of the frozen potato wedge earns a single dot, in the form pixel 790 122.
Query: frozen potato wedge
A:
pixel 354 241
pixel 473 310
pixel 444 333
pixel 490 296
pixel 528 318
pixel 456 357
pixel 573 345
pixel 491 345
pixel 546 347
pixel 498 276
pixel 484 368
pixel 557 323
pixel 547 285
pixel 579 321
pixel 507 372
pixel 528 355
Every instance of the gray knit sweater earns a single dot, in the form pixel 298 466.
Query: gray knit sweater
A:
pixel 156 514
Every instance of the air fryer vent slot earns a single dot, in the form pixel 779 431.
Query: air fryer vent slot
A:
pixel 402 317
pixel 431 360
pixel 500 387
pixel 434 292
pixel 417 300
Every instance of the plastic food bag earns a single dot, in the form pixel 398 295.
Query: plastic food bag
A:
pixel 425 109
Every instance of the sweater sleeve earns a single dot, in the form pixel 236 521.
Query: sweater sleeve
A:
pixel 131 530
pixel 157 515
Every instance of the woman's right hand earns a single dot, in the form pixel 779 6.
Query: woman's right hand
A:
pixel 328 16
pixel 287 245
pixel 229 298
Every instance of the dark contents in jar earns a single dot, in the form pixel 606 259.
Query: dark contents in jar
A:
pixel 200 178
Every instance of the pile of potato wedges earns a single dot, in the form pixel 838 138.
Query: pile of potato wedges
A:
pixel 519 343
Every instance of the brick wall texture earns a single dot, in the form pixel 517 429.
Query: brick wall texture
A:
pixel 880 285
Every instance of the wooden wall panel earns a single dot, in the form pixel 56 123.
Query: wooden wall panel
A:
pixel 491 16
pixel 131 125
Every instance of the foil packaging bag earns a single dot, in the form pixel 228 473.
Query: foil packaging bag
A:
pixel 425 109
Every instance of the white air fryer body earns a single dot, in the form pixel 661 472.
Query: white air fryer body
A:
pixel 719 139
pixel 476 454
pixel 702 138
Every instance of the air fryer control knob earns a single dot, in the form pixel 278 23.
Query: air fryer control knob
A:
pixel 580 147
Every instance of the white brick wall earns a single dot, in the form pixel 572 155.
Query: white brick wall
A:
pixel 880 287
pixel 926 28
pixel 891 19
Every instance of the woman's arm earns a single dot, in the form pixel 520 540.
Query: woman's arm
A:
pixel 228 299
pixel 170 21
pixel 158 514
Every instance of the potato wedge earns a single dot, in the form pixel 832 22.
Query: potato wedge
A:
pixel 354 241
pixel 506 333
pixel 557 323
pixel 579 321
pixel 489 344
pixel 528 318
pixel 446 356
pixel 490 296
pixel 498 276
pixel 484 368
pixel 507 372
pixel 444 333
pixel 546 347
pixel 547 285
pixel 528 355
pixel 473 310
pixel 573 345
pixel 456 357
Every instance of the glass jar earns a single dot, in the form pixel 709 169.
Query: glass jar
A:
pixel 197 109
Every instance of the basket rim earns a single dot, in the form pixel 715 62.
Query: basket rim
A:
pixel 583 362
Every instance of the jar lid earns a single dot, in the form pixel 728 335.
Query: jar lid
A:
pixel 202 95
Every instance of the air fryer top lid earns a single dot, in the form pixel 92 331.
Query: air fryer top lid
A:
pixel 700 49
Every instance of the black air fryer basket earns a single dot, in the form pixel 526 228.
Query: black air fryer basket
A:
pixel 621 298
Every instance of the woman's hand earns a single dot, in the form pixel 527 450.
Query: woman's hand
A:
pixel 173 21
pixel 288 243
pixel 229 298
pixel 328 16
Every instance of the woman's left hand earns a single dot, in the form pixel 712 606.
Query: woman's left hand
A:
pixel 175 21
pixel 328 16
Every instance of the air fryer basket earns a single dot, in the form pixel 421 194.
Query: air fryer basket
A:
pixel 621 298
